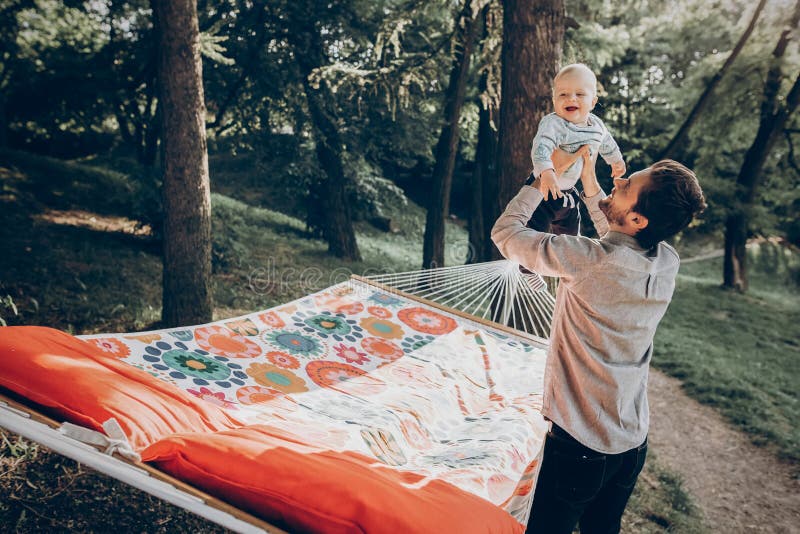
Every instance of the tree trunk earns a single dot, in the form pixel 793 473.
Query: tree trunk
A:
pixel 338 228
pixel 447 147
pixel 680 135
pixel 187 295
pixel 483 177
pixel 773 119
pixel 533 35
pixel 309 49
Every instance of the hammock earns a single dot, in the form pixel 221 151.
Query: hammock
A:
pixel 360 408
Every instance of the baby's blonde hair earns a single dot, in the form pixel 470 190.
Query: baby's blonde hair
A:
pixel 576 68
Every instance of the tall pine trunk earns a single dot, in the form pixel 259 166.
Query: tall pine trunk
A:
pixel 187 295
pixel 533 36
pixel 309 47
pixel 774 116
pixel 481 185
pixel 447 147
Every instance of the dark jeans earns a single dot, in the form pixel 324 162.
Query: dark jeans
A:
pixel 577 484
pixel 554 217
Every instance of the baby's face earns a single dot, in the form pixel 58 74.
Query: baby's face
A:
pixel 574 97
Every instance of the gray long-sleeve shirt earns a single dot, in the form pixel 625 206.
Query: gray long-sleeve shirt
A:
pixel 611 297
pixel 556 132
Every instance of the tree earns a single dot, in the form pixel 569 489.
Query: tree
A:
pixel 680 135
pixel 774 116
pixel 484 173
pixel 187 295
pixel 309 54
pixel 447 147
pixel 533 34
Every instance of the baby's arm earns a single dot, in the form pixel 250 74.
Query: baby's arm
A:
pixel 612 155
pixel 543 146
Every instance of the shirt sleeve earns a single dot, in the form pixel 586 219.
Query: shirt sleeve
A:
pixel 544 143
pixel 598 217
pixel 563 256
pixel 609 149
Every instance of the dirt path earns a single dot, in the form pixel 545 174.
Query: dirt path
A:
pixel 738 487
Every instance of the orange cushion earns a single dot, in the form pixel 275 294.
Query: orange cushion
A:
pixel 81 384
pixel 270 473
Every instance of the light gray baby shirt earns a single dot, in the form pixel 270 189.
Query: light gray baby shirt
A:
pixel 555 132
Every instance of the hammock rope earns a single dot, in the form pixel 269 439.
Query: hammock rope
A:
pixel 496 291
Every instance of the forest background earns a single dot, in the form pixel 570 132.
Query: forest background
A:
pixel 381 135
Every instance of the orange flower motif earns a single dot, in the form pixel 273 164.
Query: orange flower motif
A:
pixel 379 311
pixel 111 346
pixel 273 377
pixel 256 394
pixel 350 308
pixel 224 342
pixel 427 321
pixel 381 348
pixel 271 319
pixel 382 328
pixel 281 359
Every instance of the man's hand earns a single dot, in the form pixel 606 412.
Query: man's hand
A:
pixel 618 169
pixel 548 185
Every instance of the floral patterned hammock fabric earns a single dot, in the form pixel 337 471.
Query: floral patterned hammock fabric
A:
pixel 427 399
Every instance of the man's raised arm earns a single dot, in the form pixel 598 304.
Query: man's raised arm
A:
pixel 592 193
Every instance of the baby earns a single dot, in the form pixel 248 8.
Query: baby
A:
pixel 569 128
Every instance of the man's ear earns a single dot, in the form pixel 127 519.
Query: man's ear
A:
pixel 637 220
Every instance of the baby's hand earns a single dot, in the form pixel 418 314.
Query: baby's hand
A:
pixel 584 151
pixel 548 185
pixel 618 169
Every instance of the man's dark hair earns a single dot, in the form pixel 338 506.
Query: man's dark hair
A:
pixel 670 201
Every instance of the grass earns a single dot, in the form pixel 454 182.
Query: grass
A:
pixel 87 276
pixel 740 352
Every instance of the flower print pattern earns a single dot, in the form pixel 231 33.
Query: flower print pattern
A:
pixel 350 354
pixel 244 327
pixel 111 346
pixel 271 319
pixel 217 398
pixel 224 342
pixel 380 312
pixel 382 328
pixel 197 365
pixel 385 300
pixel 281 359
pixel 294 343
pixel 327 324
pixel 415 342
pixel 273 377
pixel 382 348
pixel 179 362
pixel 256 394
pixel 426 321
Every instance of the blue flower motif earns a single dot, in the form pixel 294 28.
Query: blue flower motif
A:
pixel 385 300
pixel 181 363
pixel 328 324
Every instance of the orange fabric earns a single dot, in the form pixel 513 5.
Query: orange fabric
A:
pixel 87 387
pixel 321 491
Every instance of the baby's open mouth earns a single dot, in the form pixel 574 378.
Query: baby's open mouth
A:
pixel 571 108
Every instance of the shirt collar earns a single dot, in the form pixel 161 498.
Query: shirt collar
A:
pixel 618 238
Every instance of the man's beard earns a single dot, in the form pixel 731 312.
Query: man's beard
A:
pixel 613 215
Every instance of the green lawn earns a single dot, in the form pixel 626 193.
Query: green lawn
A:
pixel 740 352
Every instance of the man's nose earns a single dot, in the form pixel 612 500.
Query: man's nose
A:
pixel 618 181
